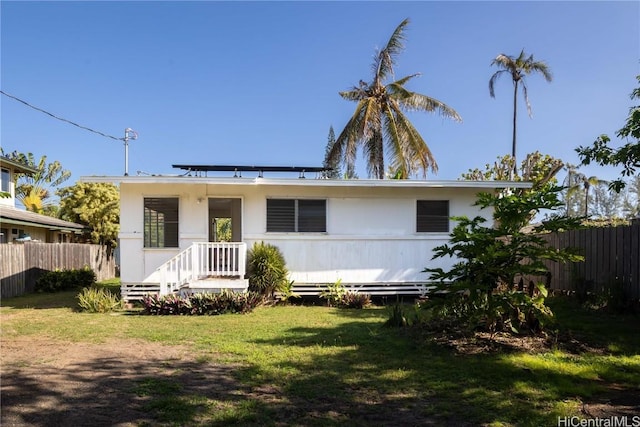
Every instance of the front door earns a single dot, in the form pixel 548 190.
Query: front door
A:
pixel 225 225
pixel 225 220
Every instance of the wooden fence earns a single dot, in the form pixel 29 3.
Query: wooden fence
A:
pixel 22 264
pixel 612 258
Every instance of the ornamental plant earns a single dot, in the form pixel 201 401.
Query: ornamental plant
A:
pixel 266 269
pixel 98 300
pixel 353 299
pixel 483 289
pixel 334 293
pixel 209 304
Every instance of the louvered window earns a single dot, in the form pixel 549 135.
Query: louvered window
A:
pixel 291 215
pixel 432 216
pixel 161 222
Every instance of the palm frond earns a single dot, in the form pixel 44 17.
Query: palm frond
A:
pixel 419 102
pixel 410 151
pixel 493 80
pixel 374 153
pixel 360 127
pixel 504 62
pixel 417 153
pixel 351 95
pixel 396 91
pixel 525 94
pixel 542 68
pixel 386 58
pixel 395 142
pixel 401 82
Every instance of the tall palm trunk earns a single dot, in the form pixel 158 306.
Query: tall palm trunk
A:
pixel 515 115
pixel 514 172
pixel 566 197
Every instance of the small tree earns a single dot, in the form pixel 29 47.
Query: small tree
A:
pixel 95 205
pixel 332 166
pixel 540 169
pixel 483 287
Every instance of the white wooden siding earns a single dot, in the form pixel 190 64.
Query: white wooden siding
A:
pixel 370 236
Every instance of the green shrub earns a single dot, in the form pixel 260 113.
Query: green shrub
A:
pixel 202 303
pixel 334 293
pixel 285 292
pixel 98 300
pixel 266 269
pixel 62 280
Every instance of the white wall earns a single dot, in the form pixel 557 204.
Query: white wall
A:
pixel 370 231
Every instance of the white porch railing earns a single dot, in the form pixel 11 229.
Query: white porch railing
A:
pixel 200 261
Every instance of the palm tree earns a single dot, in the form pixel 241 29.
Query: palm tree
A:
pixel 571 186
pixel 379 121
pixel 581 181
pixel 518 68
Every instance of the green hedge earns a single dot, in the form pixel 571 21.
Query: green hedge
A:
pixel 62 280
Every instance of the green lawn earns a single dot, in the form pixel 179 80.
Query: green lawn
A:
pixel 342 367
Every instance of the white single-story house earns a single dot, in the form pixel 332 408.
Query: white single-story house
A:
pixel 377 235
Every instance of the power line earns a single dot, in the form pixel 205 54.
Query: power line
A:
pixel 60 118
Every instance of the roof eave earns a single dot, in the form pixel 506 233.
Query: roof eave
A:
pixel 392 183
pixel 17 166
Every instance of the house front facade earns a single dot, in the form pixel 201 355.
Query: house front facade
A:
pixel 362 232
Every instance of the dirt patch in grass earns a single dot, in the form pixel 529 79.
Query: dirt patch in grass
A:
pixel 616 402
pixel 47 382
pixel 484 342
pixel 130 382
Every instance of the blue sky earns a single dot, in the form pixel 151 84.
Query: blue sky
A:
pixel 256 83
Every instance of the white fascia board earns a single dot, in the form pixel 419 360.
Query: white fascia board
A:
pixel 305 182
pixel 392 183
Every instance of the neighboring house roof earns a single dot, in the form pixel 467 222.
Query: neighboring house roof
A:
pixel 302 182
pixel 17 166
pixel 11 215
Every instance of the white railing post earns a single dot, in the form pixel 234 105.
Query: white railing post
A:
pixel 242 259
pixel 195 261
pixel 163 280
